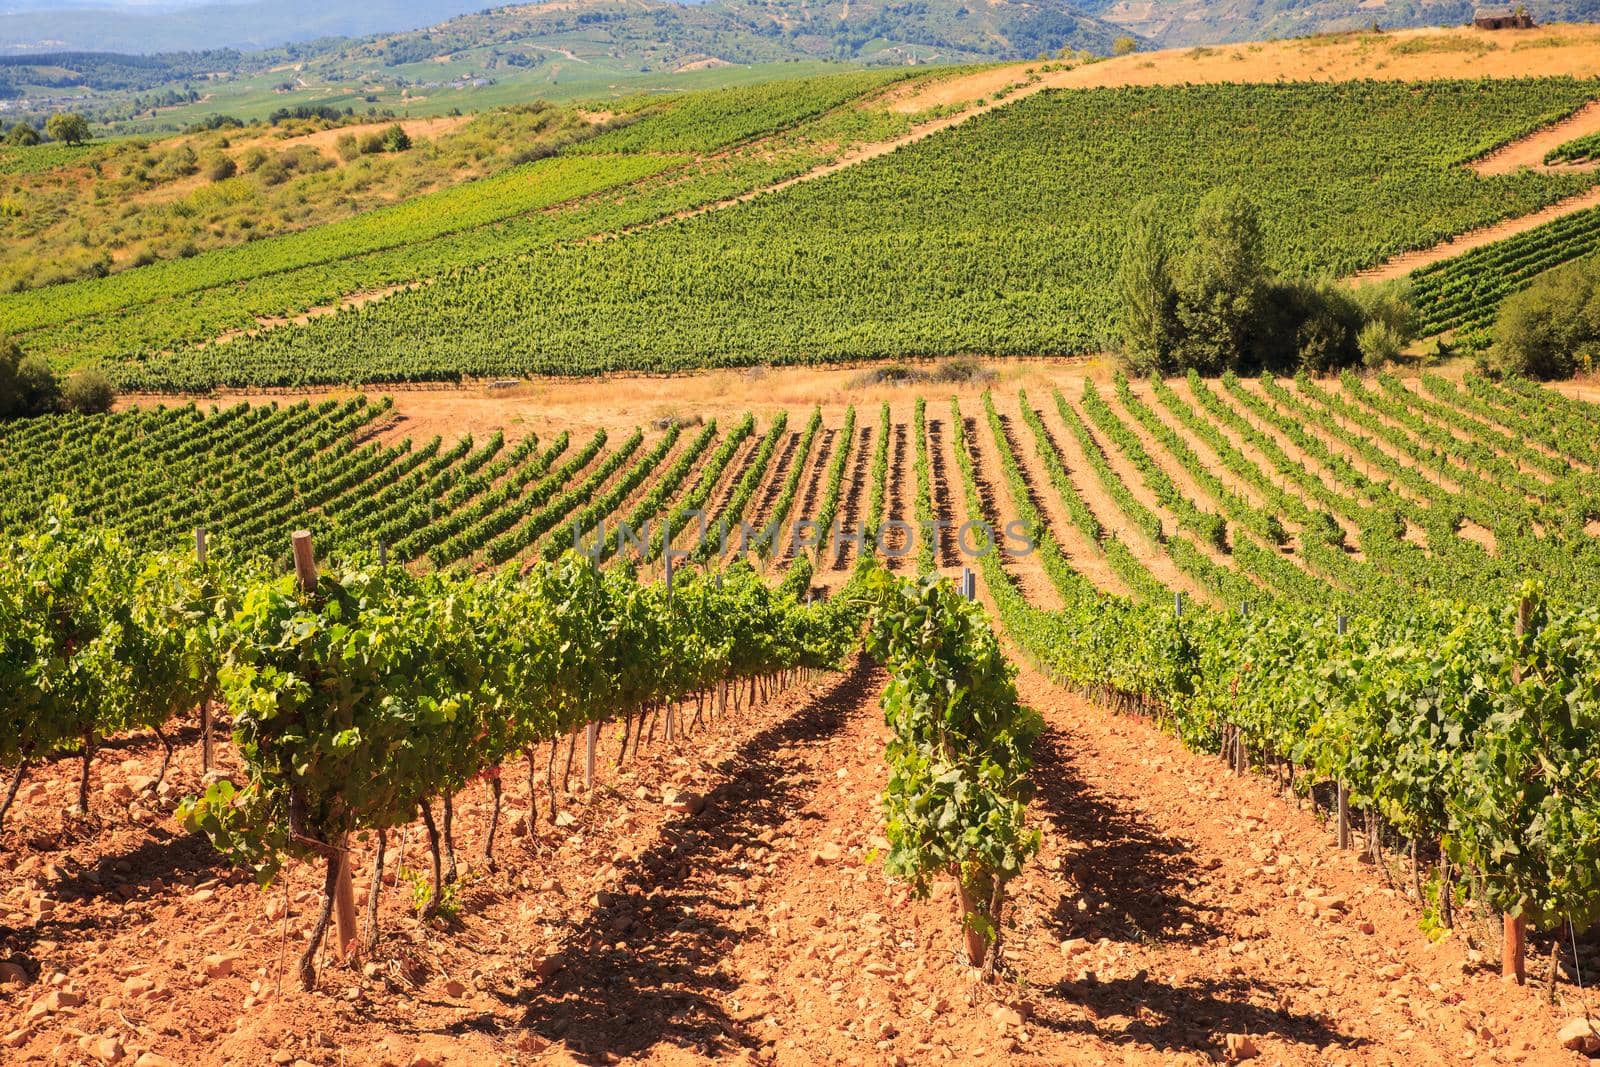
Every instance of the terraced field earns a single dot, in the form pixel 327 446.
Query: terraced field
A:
pixel 1318 578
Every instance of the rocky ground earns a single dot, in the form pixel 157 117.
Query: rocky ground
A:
pixel 724 897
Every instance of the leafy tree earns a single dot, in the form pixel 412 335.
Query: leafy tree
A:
pixel 22 135
pixel 68 127
pixel 27 384
pixel 37 386
pixel 1552 328
pixel 1144 283
pixel 1124 46
pixel 1311 325
pixel 395 139
pixel 1221 282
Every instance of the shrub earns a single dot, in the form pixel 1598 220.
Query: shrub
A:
pixel 1552 328
pixel 1124 46
pixel 27 384
pixel 180 162
pixel 22 136
pixel 347 147
pixel 395 139
pixel 1380 343
pixel 220 168
pixel 88 392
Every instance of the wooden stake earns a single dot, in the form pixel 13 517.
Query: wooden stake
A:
pixel 1342 824
pixel 205 700
pixel 305 561
pixel 344 894
pixel 1514 945
pixel 1514 949
pixel 591 737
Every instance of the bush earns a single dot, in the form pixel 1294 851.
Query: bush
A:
pixel 347 147
pixel 1124 46
pixel 88 392
pixel 220 168
pixel 27 384
pixel 22 136
pixel 29 387
pixel 254 157
pixel 370 143
pixel 1379 343
pixel 180 162
pixel 1552 328
pixel 395 139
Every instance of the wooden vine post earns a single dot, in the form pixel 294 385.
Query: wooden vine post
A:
pixel 1514 944
pixel 344 894
pixel 670 732
pixel 1342 800
pixel 205 698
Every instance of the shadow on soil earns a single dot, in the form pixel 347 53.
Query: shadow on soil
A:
pixel 643 969
pixel 1136 876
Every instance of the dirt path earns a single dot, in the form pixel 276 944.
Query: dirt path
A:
pixel 1175 904
pixel 1172 904
pixel 1530 151
pixel 853 501
pixel 1087 558
pixel 1248 452
pixel 1403 264
pixel 1151 555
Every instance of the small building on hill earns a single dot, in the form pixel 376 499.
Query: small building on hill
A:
pixel 1503 18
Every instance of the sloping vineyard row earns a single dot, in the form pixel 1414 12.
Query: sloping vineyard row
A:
pixel 571 197
pixel 912 261
pixel 1430 716
pixel 1464 292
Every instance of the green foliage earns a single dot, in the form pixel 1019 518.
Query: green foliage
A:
pixel 395 139
pixel 1028 266
pixel 1464 293
pixel 22 135
pixel 1220 282
pixel 220 168
pixel 1578 150
pixel 956 802
pixel 706 121
pixel 68 127
pixel 88 392
pixel 1145 290
pixel 27 384
pixel 1551 329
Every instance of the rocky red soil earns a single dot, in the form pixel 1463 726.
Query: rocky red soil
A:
pixel 724 897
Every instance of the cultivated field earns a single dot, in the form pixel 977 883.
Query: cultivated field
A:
pixel 1172 904
pixel 1269 730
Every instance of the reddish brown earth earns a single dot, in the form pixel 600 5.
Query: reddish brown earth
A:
pixel 1172 905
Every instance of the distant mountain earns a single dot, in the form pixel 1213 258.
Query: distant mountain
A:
pixel 191 26
pixel 666 34
pixel 660 33
pixel 1195 22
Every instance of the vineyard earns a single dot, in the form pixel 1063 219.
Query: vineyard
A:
pixel 1365 594
pixel 633 176
pixel 1006 223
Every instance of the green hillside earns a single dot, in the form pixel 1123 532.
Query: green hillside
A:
pixel 995 236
